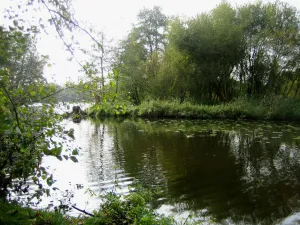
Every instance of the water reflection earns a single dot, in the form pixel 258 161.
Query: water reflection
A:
pixel 238 172
pixel 243 171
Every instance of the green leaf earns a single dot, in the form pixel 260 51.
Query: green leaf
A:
pixel 35 179
pixel 18 130
pixel 74 159
pixel 71 133
pixel 50 180
pixel 33 93
pixel 75 152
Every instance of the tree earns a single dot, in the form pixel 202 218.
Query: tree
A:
pixel 131 67
pixel 176 71
pixel 140 54
pixel 213 42
pixel 26 66
pixel 152 24
pixel 271 37
pixel 27 131
pixel 98 67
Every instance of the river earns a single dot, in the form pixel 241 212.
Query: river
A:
pixel 228 172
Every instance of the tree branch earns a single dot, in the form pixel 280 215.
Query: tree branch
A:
pixel 13 105
pixel 75 24
pixel 83 211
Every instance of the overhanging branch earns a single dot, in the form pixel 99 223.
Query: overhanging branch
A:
pixel 75 24
pixel 12 103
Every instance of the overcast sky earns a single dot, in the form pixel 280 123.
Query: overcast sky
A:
pixel 115 18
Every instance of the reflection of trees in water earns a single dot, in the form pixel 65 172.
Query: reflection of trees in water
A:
pixel 270 172
pixel 235 174
pixel 117 150
pixel 135 153
pixel 100 161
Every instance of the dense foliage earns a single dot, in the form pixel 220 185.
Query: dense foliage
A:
pixel 247 51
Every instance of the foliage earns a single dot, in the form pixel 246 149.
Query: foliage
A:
pixel 13 214
pixel 138 61
pixel 213 43
pixel 29 130
pixel 151 26
pixel 132 209
pixel 247 51
pixel 269 108
pixel 271 35
pixel 135 208
pixel 109 109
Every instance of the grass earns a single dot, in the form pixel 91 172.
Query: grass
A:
pixel 271 108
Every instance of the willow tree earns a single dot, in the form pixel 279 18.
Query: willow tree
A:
pixel 271 35
pixel 213 41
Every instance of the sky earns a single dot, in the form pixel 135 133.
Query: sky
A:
pixel 115 18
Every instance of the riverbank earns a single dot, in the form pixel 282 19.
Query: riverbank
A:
pixel 135 208
pixel 275 108
pixel 14 214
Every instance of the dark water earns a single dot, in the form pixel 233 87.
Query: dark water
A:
pixel 229 172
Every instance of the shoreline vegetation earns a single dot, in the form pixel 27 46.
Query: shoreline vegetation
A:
pixel 273 109
pixel 134 208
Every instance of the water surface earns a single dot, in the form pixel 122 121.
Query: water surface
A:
pixel 230 172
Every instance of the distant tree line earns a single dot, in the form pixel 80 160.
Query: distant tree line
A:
pixel 251 50
pixel 71 94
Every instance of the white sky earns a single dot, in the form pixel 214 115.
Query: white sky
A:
pixel 115 18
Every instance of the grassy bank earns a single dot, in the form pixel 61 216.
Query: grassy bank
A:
pixel 135 208
pixel 275 108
